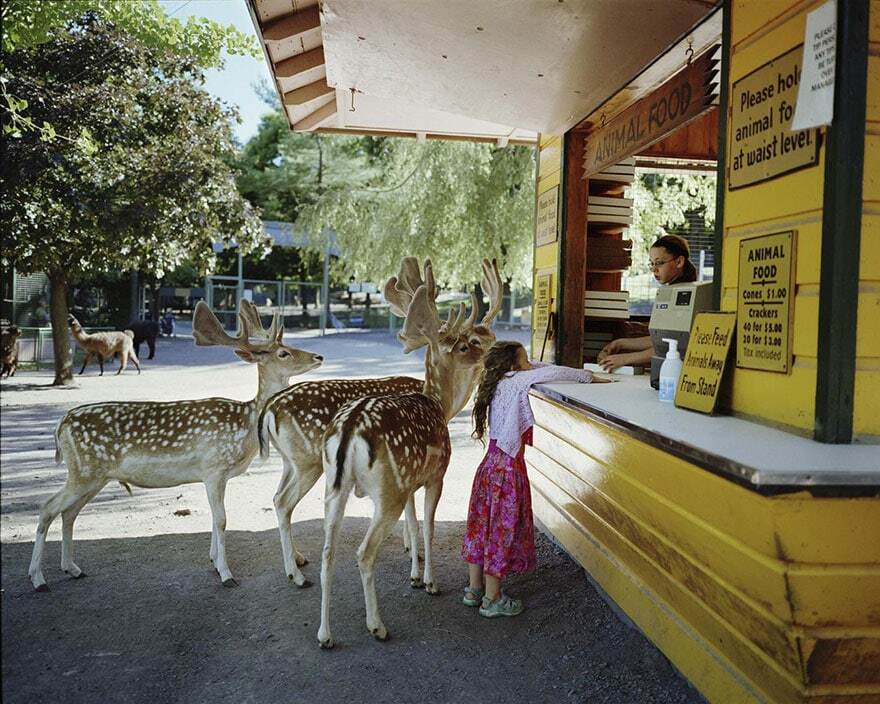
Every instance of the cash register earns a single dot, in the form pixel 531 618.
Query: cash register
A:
pixel 672 316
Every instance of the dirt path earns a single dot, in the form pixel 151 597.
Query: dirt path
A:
pixel 151 622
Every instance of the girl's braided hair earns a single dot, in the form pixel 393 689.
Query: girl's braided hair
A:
pixel 499 360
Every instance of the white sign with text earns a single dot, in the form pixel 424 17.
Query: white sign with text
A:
pixel 815 101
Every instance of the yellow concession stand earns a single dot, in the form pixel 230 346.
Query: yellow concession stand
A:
pixel 744 543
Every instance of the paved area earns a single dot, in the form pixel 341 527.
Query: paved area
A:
pixel 152 624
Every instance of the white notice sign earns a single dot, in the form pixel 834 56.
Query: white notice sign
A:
pixel 815 101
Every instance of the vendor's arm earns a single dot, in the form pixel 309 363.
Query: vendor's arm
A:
pixel 610 362
pixel 626 344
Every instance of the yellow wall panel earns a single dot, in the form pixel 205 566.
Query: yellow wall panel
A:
pixel 789 399
pixel 871 174
pixel 874 21
pixel 749 17
pixel 806 314
pixel 872 109
pixel 866 400
pixel 869 258
pixel 867 327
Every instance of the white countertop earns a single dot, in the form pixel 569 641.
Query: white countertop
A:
pixel 755 454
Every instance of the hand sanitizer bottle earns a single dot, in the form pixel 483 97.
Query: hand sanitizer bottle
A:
pixel 669 371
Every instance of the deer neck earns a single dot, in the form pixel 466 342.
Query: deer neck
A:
pixel 449 386
pixel 79 334
pixel 269 384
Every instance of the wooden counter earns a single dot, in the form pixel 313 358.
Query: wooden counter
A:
pixel 749 556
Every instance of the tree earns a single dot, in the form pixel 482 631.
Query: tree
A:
pixel 156 190
pixel 664 203
pixel 28 23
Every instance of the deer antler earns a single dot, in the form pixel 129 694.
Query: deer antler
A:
pixel 255 325
pixel 422 324
pixel 208 331
pixel 493 287
pixel 399 290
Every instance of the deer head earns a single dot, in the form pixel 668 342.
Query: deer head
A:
pixel 277 361
pixel 456 346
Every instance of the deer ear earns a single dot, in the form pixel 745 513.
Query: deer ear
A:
pixel 247 356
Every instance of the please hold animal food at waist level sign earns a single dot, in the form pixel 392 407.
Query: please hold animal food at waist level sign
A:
pixel 704 361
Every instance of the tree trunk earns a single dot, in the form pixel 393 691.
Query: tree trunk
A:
pixel 60 338
pixel 133 309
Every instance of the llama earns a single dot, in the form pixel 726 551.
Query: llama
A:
pixel 104 346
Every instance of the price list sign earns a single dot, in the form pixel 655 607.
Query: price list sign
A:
pixel 764 303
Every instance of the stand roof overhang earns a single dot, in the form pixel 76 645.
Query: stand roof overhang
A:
pixel 486 70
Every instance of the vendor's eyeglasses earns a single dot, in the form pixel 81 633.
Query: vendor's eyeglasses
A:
pixel 656 265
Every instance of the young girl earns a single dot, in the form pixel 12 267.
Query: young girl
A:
pixel 671 264
pixel 500 539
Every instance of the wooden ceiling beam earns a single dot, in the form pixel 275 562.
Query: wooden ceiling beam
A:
pixel 292 24
pixel 306 93
pixel 300 63
pixel 317 117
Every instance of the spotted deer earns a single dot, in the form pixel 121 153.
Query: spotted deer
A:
pixel 387 447
pixel 295 419
pixel 163 444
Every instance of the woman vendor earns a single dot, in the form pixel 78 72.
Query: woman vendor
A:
pixel 671 264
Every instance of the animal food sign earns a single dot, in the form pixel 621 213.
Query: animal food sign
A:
pixel 762 144
pixel 764 305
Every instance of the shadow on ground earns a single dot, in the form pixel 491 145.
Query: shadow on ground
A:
pixel 151 623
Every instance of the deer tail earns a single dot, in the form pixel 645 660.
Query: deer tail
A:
pixel 127 488
pixel 265 425
pixel 58 458
pixel 130 333
pixel 349 424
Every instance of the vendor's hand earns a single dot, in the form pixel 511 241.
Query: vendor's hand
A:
pixel 612 347
pixel 612 361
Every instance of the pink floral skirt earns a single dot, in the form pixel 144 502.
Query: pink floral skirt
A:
pixel 500 533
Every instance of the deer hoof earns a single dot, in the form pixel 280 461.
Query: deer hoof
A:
pixel 326 644
pixel 230 582
pixel 75 575
pixel 432 589
pixel 43 588
pixel 381 634
pixel 305 584
pixel 416 583
pixel 301 561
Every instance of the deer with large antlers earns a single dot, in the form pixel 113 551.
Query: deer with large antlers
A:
pixel 387 447
pixel 295 419
pixel 164 444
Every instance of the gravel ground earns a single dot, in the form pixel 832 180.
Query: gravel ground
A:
pixel 151 622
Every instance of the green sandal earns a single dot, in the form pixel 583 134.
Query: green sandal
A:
pixel 472 597
pixel 502 606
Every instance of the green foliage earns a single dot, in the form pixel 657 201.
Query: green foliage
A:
pixel 30 23
pixel 156 189
pixel 668 204
pixel 452 201
pixel 27 23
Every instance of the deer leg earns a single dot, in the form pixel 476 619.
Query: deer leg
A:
pixel 68 516
pixel 100 363
pixel 334 512
pixel 58 502
pixel 123 360
pixel 216 488
pixel 385 515
pixel 432 498
pixel 411 536
pixel 293 486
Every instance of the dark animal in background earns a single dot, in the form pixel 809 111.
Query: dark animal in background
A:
pixel 144 331
pixel 9 350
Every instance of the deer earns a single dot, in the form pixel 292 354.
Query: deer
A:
pixel 9 350
pixel 153 444
pixel 387 447
pixel 294 420
pixel 104 346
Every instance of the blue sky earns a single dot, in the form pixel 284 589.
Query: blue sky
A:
pixel 235 83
